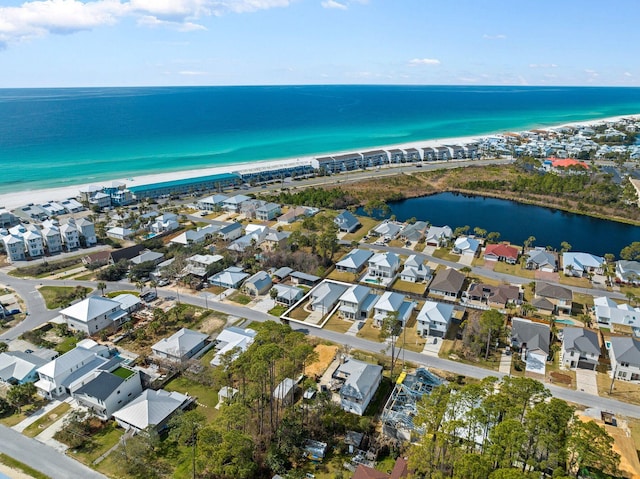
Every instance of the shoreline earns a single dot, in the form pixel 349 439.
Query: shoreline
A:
pixel 38 196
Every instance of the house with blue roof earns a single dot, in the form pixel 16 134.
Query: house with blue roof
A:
pixel 580 264
pixel 231 277
pixel 258 284
pixel 347 222
pixel 354 261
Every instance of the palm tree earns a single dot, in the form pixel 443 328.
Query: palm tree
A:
pixel 102 286
pixel 631 297
pixel 154 284
pixel 140 285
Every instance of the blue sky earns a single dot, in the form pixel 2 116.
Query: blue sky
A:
pixel 264 42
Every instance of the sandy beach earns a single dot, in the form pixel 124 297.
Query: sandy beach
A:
pixel 13 200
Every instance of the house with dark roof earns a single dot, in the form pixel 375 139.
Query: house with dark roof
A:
pixel 580 348
pixel 625 358
pixel 400 470
pixel 347 222
pixel 108 390
pixel 447 283
pixel 360 382
pixel 533 340
pixel 305 279
pixel 559 296
pixel 501 252
pixel 414 231
pixel 495 296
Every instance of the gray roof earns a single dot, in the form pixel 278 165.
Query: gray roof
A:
pixel 356 258
pixel 180 343
pixel 151 408
pixel 542 303
pixel 102 386
pixel 282 272
pixel 346 221
pixel 626 349
pixel 361 377
pixel 534 335
pixel 305 276
pixel 554 291
pixel 542 257
pixel 448 280
pixel 260 280
pixel 580 339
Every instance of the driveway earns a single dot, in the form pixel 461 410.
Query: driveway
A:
pixel 586 381
pixel 466 259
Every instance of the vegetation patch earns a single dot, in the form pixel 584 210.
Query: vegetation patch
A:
pixel 62 296
pixel 32 430
pixel 240 298
pixel 337 324
pixel 15 464
pixel 278 310
pixel 44 268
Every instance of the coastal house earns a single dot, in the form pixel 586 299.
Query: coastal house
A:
pixel 532 340
pixel 501 252
pixel 494 296
pixel 230 231
pixel 326 295
pixel 164 223
pixel 120 233
pixel 72 206
pixel 384 265
pixel 438 236
pixel 466 245
pixel 413 232
pixel 428 153
pixel 199 264
pixel 415 269
pixel 53 209
pixel 148 256
pixel 180 346
pixel 151 409
pixel 617 317
pixel 231 342
pixel 560 297
pixel 628 271
pixel 7 219
pixel 93 314
pixel 275 240
pixel 199 235
pixel 354 261
pixel 387 229
pixel 347 222
pixel 287 295
pixel 625 358
pixel 231 277
pixel 447 284
pixel 360 382
pixel 86 230
pixel 17 367
pixel 14 247
pixel 580 348
pixel 211 203
pixel 391 303
pixel 234 203
pixel 304 279
pixel 541 259
pixel 108 388
pixel 268 211
pixel 57 377
pixel 434 319
pixel 258 284
pixel 581 264
pixel 356 302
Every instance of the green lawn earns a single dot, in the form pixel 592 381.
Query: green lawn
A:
pixel 67 344
pixel 573 281
pixel 103 440
pixel 513 269
pixel 207 397
pixel 367 223
pixel 444 253
pixel 18 417
pixel 342 276
pixel 62 296
pixel 240 298
pixel 369 332
pixel 113 294
pixel 278 310
pixel 338 324
pixel 47 420
pixel 409 287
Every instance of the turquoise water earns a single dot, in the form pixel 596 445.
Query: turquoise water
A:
pixel 60 137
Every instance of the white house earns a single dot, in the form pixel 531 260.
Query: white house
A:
pixel 164 223
pixel 151 409
pixel 580 264
pixel 118 232
pixel 438 235
pixel 434 319
pixel 613 315
pixel 234 203
pixel 94 314
pixel 361 381
pixel 52 239
pixel 415 270
pixel 625 358
pixel 356 302
pixel 180 346
pixel 466 246
pixel 231 277
pixel 199 263
pixel 58 376
pixel 108 389
pixel 628 271
pixel 232 341
pixel 580 348
pixel 384 265
pixel 14 247
pixel 354 261
pixel 17 367
pixel 325 296
pixel 392 303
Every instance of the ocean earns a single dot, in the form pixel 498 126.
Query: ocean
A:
pixel 61 137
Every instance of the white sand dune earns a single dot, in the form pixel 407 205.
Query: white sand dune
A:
pixel 14 200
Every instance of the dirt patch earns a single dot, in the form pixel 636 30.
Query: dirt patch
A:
pixel 560 378
pixel 212 325
pixel 326 354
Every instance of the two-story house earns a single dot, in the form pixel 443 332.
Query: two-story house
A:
pixel 580 348
pixel 356 302
pixel 434 319
pixel 361 381
pixel 625 358
pixel 93 314
pixel 384 265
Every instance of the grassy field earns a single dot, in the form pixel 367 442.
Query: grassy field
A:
pixel 103 440
pixel 13 463
pixel 622 390
pixel 444 253
pixel 337 324
pixel 240 298
pixel 367 223
pixel 369 332
pixel 62 296
pixel 26 411
pixel 206 397
pixel 67 344
pixel 278 310
pixel 573 281
pixel 514 270
pixel 409 287
pixel 342 276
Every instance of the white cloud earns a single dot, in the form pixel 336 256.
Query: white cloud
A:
pixel 424 61
pixel 41 17
pixel 591 73
pixel 543 65
pixel 500 36
pixel 627 74
pixel 333 4
pixel 191 73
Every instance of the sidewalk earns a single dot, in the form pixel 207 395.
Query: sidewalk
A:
pixel 21 426
pixel 505 363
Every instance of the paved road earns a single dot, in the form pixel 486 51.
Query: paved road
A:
pixel 43 458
